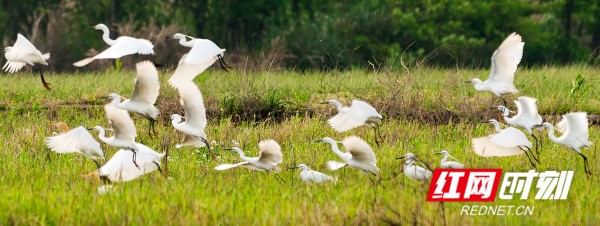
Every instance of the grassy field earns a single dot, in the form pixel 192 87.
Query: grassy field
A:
pixel 426 111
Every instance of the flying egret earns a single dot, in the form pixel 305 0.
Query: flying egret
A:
pixel 120 167
pixel 505 142
pixel 124 130
pixel 77 140
pixel 413 171
pixel 195 118
pixel 23 52
pixel 504 65
pixel 269 157
pixel 358 155
pixel 445 164
pixel 575 134
pixel 144 94
pixel 122 46
pixel 203 51
pixel 310 176
pixel 358 114
pixel 527 116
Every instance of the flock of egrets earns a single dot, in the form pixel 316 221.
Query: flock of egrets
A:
pixel 134 159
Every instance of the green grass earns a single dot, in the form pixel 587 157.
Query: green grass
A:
pixel 41 187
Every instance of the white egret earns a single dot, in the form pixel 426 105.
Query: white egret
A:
pixel 144 94
pixel 413 171
pixel 358 155
pixel 445 164
pixel 575 134
pixel 203 51
pixel 24 52
pixel 77 140
pixel 358 114
pixel 120 168
pixel 124 130
pixel 505 142
pixel 504 65
pixel 310 176
pixel 122 46
pixel 527 116
pixel 195 117
pixel 268 159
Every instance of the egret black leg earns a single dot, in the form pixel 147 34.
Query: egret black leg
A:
pixel 158 165
pixel 46 85
pixel 585 164
pixel 377 134
pixel 134 157
pixel 97 164
pixel 224 65
pixel 279 179
pixel 536 144
pixel 529 158
pixel 152 128
pixel 503 101
pixel 213 155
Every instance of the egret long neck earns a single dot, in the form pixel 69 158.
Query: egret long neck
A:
pixel 102 136
pixel 444 159
pixel 336 150
pixel 497 127
pixel 185 43
pixel 242 156
pixel 338 105
pixel 106 36
pixel 551 135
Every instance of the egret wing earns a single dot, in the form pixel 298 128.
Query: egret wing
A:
pixel 333 165
pixel 270 152
pixel 484 147
pixel 121 122
pixel 120 168
pixel 246 165
pixel 203 51
pixel 187 72
pixel 146 84
pixel 510 137
pixel 76 140
pixel 193 105
pixel 506 59
pixel 126 46
pixel 529 108
pixel 359 149
pixel 577 126
pixel 343 122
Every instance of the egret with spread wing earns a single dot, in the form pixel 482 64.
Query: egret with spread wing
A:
pixel 359 154
pixel 124 130
pixel 269 158
pixel 505 142
pixel 527 116
pixel 575 134
pixel 77 140
pixel 24 52
pixel 358 114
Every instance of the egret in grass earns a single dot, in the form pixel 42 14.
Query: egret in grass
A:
pixel 413 171
pixel 505 142
pixel 575 134
pixel 360 113
pixel 268 159
pixel 124 130
pixel 358 154
pixel 203 51
pixel 310 176
pixel 144 94
pixel 527 116
pixel 24 52
pixel 120 167
pixel 195 118
pixel 445 164
pixel 122 46
pixel 504 65
pixel 77 140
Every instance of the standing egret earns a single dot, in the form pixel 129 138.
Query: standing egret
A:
pixel 120 167
pixel 575 134
pixel 269 157
pixel 122 46
pixel 310 176
pixel 124 130
pixel 24 52
pixel 77 140
pixel 203 51
pixel 527 116
pixel 413 171
pixel 358 114
pixel 445 164
pixel 504 65
pixel 195 117
pixel 505 142
pixel 144 94
pixel 358 155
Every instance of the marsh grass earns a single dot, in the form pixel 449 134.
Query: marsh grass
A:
pixel 425 113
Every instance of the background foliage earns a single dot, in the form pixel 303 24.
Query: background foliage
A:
pixel 308 34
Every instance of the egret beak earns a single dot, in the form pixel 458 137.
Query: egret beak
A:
pixel 168 38
pixel 493 108
pixel 92 27
pixel 401 157
pixel 90 128
pixel 295 167
pixel 439 153
pixel 489 121
pixel 105 97
pixel 468 81
pixel 326 102
pixel 229 149
pixel 319 141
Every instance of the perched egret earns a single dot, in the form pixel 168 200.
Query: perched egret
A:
pixel 445 164
pixel 77 140
pixel 504 65
pixel 413 171
pixel 144 95
pixel 527 116
pixel 358 154
pixel 358 114
pixel 575 134
pixel 124 130
pixel 120 167
pixel 505 142
pixel 122 46
pixel 23 52
pixel 310 176
pixel 195 118
pixel 270 156
pixel 203 51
